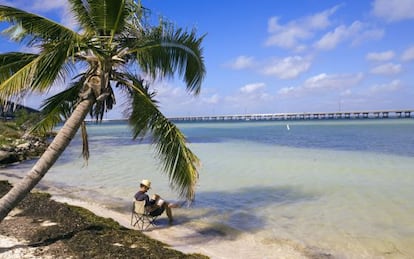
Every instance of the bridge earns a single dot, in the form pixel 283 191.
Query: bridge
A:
pixel 380 114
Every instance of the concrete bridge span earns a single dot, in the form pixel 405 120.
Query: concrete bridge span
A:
pixel 304 116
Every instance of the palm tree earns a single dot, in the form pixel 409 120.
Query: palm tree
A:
pixel 113 39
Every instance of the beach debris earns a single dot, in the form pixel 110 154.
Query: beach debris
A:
pixel 48 223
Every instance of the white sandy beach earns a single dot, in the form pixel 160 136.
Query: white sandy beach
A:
pixel 19 249
pixel 11 247
pixel 184 237
pixel 179 237
pixel 189 240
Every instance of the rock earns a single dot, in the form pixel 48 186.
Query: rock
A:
pixel 4 155
pixel 24 146
pixel 6 148
pixel 8 157
pixel 19 152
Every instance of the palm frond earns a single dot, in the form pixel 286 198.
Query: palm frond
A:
pixel 164 52
pixel 100 17
pixel 33 27
pixel 138 14
pixel 12 62
pixel 19 81
pixel 53 64
pixel 57 108
pixel 36 72
pixel 119 20
pixel 81 11
pixel 179 162
pixel 85 142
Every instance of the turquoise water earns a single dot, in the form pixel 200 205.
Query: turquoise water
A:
pixel 344 188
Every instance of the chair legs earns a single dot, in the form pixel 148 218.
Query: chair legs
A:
pixel 142 221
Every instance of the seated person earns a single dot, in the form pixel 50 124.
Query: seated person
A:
pixel 156 205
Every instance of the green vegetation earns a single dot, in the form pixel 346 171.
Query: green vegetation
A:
pixel 12 132
pixel 17 143
pixel 26 119
pixel 9 132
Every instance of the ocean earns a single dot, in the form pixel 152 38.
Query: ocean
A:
pixel 343 188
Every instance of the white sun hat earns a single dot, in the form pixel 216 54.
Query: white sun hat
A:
pixel 146 183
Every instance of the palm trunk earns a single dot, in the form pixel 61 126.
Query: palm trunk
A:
pixel 49 157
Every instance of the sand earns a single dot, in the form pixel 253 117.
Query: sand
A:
pixel 184 237
pixel 191 239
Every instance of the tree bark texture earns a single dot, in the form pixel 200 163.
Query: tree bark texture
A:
pixel 49 157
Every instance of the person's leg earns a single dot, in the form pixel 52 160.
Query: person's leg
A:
pixel 173 205
pixel 167 208
pixel 157 211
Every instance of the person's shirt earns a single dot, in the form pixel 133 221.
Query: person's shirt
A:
pixel 142 196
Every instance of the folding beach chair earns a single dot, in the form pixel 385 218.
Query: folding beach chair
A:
pixel 140 216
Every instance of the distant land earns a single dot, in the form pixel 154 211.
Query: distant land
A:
pixel 8 109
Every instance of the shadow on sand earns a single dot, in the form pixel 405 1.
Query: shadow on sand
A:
pixel 229 214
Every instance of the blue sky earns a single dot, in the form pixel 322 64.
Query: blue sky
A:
pixel 282 56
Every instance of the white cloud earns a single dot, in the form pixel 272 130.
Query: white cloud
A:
pixel 380 56
pixel 37 6
pixel 323 82
pixel 48 5
pixel 175 101
pixel 286 68
pixel 293 33
pixel 331 39
pixel 387 69
pixel 320 20
pixel 367 35
pixel 357 32
pixel 394 10
pixel 408 54
pixel 283 68
pixel 214 99
pixel 58 10
pixel 250 88
pixel 390 87
pixel 346 93
pixel 251 98
pixel 286 36
pixel 335 81
pixel 241 62
pixel 287 90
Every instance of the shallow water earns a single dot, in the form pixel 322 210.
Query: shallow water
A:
pixel 344 188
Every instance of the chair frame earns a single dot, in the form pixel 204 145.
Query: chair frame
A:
pixel 140 217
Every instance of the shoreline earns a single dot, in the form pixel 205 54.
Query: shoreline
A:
pixel 185 237
pixel 206 240
pixel 191 236
pixel 214 241
pixel 41 227
pixel 211 238
pixel 188 237
pixel 309 196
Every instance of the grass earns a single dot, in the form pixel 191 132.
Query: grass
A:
pixel 9 132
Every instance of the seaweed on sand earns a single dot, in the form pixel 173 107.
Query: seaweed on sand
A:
pixel 61 231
